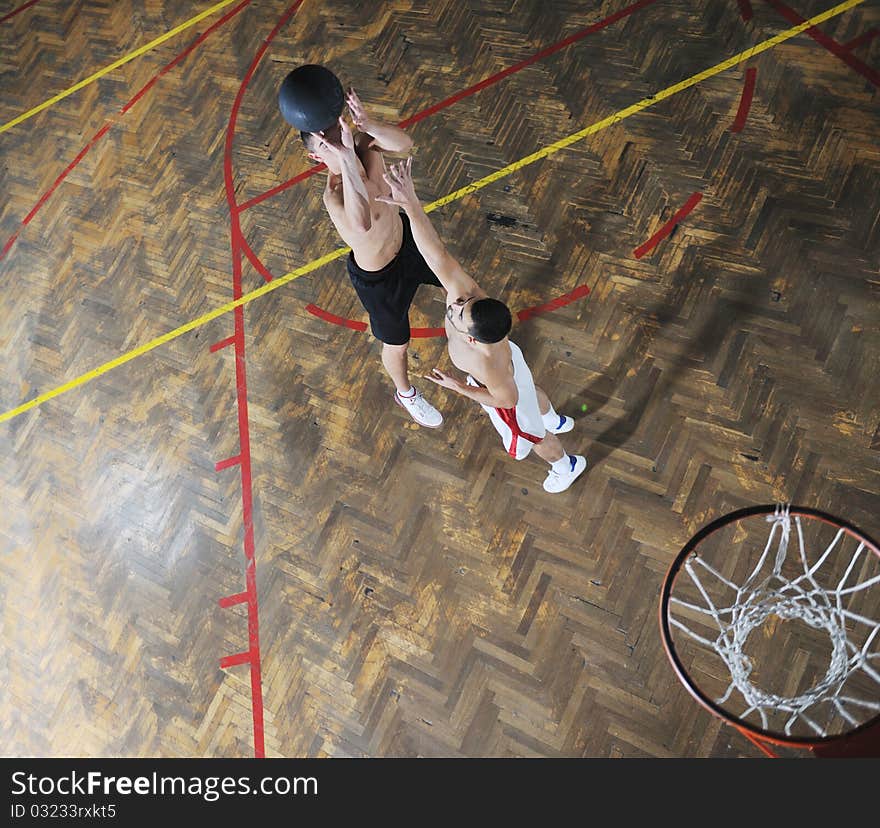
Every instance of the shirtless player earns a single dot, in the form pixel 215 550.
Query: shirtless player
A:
pixel 476 328
pixel 384 265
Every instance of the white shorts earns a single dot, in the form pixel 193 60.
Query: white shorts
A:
pixel 522 426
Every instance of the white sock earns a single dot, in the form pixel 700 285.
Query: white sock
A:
pixel 408 394
pixel 562 465
pixel 550 417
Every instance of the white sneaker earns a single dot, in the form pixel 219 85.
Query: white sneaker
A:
pixel 565 424
pixel 420 409
pixel 557 482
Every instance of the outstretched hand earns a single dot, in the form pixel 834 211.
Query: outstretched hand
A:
pixel 439 378
pixel 357 110
pixel 399 179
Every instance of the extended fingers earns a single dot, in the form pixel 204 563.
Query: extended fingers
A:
pixel 402 170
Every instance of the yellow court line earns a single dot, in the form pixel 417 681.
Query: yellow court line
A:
pixel 116 65
pixel 460 193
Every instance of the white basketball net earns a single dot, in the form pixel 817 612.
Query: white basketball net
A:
pixel 799 597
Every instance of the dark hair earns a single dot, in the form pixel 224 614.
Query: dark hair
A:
pixel 306 137
pixel 490 320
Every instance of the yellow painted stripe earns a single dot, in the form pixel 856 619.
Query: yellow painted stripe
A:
pixel 189 326
pixel 115 65
pixel 460 193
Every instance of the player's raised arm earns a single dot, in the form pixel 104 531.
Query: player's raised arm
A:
pixel 439 259
pixel 356 199
pixel 385 137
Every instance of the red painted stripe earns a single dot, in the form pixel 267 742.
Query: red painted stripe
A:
pixel 861 40
pixel 242 400
pixel 427 333
pixel 254 258
pixel 745 101
pixel 667 228
pixel 200 39
pixel 745 9
pixel 222 343
pixel 562 44
pixel 281 187
pixel 471 90
pixel 232 600
pixel 333 319
pixel 27 219
pixel 227 463
pixel 232 661
pixel 103 131
pixel 16 11
pixel 233 117
pixel 831 45
pixel 579 292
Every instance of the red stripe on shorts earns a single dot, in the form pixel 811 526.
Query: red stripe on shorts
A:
pixel 508 415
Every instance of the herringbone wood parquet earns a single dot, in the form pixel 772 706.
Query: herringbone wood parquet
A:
pixel 419 594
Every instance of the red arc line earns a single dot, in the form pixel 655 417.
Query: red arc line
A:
pixel 667 228
pixel 333 319
pixel 745 101
pixel 427 333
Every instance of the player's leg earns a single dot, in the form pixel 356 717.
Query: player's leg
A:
pixel 553 422
pixel 406 395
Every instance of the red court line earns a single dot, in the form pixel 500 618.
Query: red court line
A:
pixel 745 9
pixel 861 40
pixel 222 343
pixel 745 101
pixel 45 197
pixel 254 258
pixel 16 11
pixel 227 463
pixel 100 134
pixel 566 299
pixel 333 319
pixel 239 245
pixel 232 600
pixel 232 661
pixel 667 228
pixel 428 333
pixel 562 44
pixel 831 45
pixel 471 90
pixel 168 66
pixel 281 187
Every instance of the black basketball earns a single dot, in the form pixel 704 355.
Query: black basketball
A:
pixel 311 98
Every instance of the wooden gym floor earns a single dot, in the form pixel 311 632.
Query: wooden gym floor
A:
pixel 249 549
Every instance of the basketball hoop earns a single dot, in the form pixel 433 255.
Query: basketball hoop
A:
pixel 770 617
